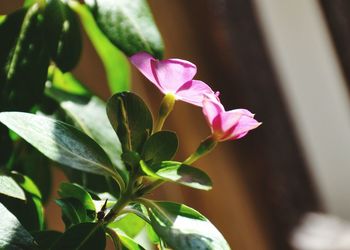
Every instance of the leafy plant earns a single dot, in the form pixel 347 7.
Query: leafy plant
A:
pixel 113 153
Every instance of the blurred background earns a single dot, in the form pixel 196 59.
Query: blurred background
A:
pixel 285 185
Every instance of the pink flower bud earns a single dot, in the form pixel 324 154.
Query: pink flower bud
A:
pixel 227 125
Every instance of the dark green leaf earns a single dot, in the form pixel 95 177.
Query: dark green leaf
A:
pixel 89 114
pixel 84 236
pixel 29 212
pixel 131 119
pixel 60 142
pixel 179 173
pixel 160 146
pixel 70 190
pixel 114 61
pixel 10 188
pixel 63 34
pixel 12 233
pixel 6 145
pixel 73 211
pixel 46 239
pixel 129 25
pixel 181 227
pixel 37 167
pixel 19 75
pixel 130 224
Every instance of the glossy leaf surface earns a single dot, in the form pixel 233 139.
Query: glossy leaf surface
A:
pixel 63 34
pixel 160 146
pixel 89 114
pixel 12 233
pixel 131 120
pixel 182 227
pixel 59 141
pixel 179 173
pixel 129 25
pixel 10 188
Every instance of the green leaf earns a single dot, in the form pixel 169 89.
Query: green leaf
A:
pixel 73 211
pixel 37 167
pixel 63 34
pixel 128 24
pixel 160 146
pixel 10 188
pixel 130 224
pixel 29 212
pixel 89 114
pixel 24 44
pixel 70 190
pixel 6 145
pixel 46 239
pixel 84 236
pixel 60 142
pixel 116 65
pixel 128 242
pixel 27 184
pixel 131 120
pixel 12 233
pixel 66 82
pixel 182 227
pixel 179 173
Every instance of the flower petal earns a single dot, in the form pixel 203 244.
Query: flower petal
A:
pixel 171 74
pixel 194 92
pixel 211 109
pixel 224 123
pixel 142 61
pixel 245 124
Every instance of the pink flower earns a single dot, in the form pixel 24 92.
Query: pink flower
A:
pixel 227 125
pixel 173 76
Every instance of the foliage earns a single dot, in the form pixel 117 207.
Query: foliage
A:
pixel 114 153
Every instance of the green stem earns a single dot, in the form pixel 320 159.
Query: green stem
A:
pixel 149 188
pixel 165 109
pixel 115 238
pixel 204 148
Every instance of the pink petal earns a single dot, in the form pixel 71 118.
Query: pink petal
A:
pixel 193 92
pixel 211 109
pixel 245 124
pixel 224 123
pixel 171 74
pixel 142 61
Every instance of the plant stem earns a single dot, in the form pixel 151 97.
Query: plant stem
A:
pixel 165 109
pixel 204 148
pixel 115 238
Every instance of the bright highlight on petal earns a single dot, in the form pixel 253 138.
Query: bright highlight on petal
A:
pixel 227 125
pixel 173 76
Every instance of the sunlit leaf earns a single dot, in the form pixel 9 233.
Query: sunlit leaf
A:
pixel 181 227
pixel 114 61
pixel 10 188
pixel 179 173
pixel 128 24
pixel 60 142
pixel 12 233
